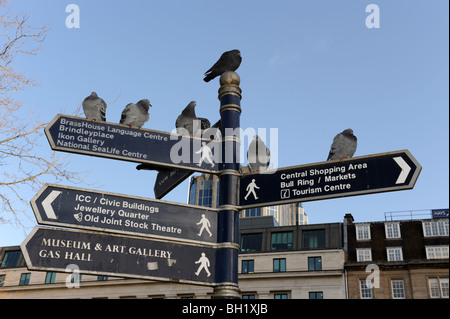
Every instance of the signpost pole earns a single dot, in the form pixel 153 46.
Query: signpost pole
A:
pixel 228 216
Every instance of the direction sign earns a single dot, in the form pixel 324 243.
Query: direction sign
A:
pixel 87 209
pixel 357 176
pixel 116 141
pixel 51 249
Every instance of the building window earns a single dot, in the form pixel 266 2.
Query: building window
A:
pixel 282 241
pixel 394 254
pixel 316 295
pixel 279 265
pixel 280 296
pixel 392 230
pixel 366 293
pixel 50 277
pixel 205 194
pixel 251 242
pixel 11 259
pixel 193 191
pixel 438 287
pixel 398 289
pixel 435 228
pixel 248 266
pixel 314 263
pixel 25 279
pixel 313 238
pixel 252 212
pixel 2 280
pixel 437 252
pixel 363 232
pixel 444 287
pixel 75 277
pixel 102 278
pixel 249 296
pixel 363 254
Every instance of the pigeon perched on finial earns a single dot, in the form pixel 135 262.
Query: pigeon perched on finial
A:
pixel 258 155
pixel 136 114
pixel 94 108
pixel 187 120
pixel 229 61
pixel 344 146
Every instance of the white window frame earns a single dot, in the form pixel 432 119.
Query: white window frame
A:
pixel 438 287
pixel 363 232
pixel 363 254
pixel 434 228
pixel 398 289
pixel 365 292
pixel 394 253
pixel 437 252
pixel 392 230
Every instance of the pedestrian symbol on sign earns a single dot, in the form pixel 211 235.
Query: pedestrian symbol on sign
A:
pixel 204 264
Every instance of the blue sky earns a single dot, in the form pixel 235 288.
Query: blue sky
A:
pixel 310 69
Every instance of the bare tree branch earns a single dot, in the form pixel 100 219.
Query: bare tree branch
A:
pixel 21 165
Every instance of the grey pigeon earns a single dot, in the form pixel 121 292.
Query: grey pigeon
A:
pixel 136 114
pixel 94 108
pixel 258 155
pixel 229 61
pixel 344 146
pixel 187 120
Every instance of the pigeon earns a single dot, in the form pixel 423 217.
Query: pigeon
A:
pixel 136 114
pixel 94 108
pixel 229 61
pixel 187 120
pixel 258 155
pixel 344 146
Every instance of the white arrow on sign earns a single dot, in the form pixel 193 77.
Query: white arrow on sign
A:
pixel 47 204
pixel 405 169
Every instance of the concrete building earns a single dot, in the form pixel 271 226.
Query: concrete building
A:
pixel 406 259
pixel 304 261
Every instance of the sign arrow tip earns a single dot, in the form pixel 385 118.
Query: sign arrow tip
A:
pixel 47 204
pixel 405 169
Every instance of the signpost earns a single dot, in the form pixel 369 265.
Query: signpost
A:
pixel 357 176
pixel 87 209
pixel 52 249
pixel 166 241
pixel 116 141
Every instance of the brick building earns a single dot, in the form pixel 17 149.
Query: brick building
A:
pixel 404 259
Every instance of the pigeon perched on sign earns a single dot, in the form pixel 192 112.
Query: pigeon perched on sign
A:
pixel 229 61
pixel 344 146
pixel 258 155
pixel 136 114
pixel 94 108
pixel 187 121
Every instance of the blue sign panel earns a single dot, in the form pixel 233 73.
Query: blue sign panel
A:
pixel 87 209
pixel 357 176
pixel 61 250
pixel 439 213
pixel 116 141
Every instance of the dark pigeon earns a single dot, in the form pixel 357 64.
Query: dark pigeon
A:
pixel 229 61
pixel 187 120
pixel 344 146
pixel 136 114
pixel 94 108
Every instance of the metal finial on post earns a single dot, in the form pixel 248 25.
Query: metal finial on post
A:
pixel 228 228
